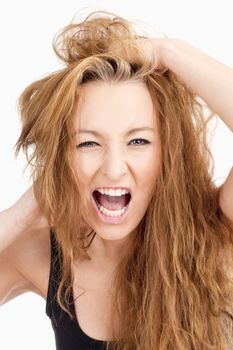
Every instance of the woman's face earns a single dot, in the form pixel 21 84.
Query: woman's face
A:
pixel 109 153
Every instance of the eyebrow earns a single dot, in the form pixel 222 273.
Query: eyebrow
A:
pixel 129 132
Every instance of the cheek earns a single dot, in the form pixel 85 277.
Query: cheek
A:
pixel 83 169
pixel 148 171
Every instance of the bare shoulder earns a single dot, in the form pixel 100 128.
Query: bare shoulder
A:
pixel 29 256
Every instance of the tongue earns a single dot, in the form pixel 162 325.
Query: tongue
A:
pixel 112 202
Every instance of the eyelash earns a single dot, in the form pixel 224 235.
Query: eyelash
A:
pixel 83 144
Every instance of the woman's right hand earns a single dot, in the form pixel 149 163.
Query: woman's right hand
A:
pixel 27 213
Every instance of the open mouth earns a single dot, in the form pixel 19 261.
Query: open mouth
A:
pixel 111 203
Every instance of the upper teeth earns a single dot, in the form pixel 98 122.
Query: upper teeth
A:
pixel 111 192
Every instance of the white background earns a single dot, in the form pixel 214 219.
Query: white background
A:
pixel 26 31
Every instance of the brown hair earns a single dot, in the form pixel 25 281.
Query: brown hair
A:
pixel 172 289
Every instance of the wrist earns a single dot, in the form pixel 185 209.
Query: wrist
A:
pixel 167 49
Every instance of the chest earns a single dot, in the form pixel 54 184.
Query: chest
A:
pixel 92 292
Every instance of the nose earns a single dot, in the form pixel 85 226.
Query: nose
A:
pixel 114 165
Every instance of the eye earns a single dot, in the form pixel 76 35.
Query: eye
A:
pixel 85 144
pixel 142 142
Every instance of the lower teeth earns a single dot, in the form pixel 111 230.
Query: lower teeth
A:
pixel 113 213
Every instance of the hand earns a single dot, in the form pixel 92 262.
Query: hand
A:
pixel 153 48
pixel 27 213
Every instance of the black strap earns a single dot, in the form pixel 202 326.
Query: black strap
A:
pixel 54 276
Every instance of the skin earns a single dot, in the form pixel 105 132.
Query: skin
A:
pixel 114 160
pixel 24 235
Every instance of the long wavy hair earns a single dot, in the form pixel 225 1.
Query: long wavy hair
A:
pixel 173 288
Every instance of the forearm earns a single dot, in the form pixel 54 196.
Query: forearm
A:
pixel 9 229
pixel 205 76
pixel 24 216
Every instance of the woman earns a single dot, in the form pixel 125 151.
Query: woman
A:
pixel 124 233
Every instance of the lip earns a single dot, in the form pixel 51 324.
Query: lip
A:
pixel 114 188
pixel 110 219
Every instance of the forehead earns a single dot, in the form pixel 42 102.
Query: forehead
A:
pixel 114 105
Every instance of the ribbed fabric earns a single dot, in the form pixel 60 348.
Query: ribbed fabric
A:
pixel 68 334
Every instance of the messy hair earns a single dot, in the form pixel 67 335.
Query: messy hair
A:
pixel 172 288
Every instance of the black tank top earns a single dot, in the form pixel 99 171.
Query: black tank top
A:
pixel 68 334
